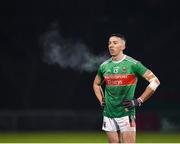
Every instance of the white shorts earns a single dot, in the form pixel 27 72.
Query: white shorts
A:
pixel 123 124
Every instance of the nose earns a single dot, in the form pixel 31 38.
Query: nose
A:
pixel 111 46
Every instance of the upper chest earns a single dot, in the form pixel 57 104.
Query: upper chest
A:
pixel 118 68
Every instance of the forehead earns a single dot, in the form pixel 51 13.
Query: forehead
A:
pixel 114 38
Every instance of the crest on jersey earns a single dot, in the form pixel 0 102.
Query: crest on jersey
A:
pixel 124 69
pixel 115 69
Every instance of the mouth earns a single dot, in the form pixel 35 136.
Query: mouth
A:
pixel 111 50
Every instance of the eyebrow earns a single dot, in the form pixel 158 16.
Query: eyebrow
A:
pixel 113 41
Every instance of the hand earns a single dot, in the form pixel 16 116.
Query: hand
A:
pixel 131 103
pixel 102 103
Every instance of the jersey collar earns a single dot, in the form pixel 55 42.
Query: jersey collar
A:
pixel 119 60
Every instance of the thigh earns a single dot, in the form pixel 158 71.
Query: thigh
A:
pixel 112 130
pixel 127 126
pixel 113 137
pixel 128 136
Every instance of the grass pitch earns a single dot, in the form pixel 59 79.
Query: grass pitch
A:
pixel 83 137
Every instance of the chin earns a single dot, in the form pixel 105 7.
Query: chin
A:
pixel 113 55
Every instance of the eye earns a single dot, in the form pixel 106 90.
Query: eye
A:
pixel 115 42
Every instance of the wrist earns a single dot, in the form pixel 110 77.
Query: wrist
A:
pixel 139 101
pixel 102 102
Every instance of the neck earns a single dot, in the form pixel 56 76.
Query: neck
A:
pixel 118 57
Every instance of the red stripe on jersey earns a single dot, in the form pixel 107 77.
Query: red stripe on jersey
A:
pixel 120 79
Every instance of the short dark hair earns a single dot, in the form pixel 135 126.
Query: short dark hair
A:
pixel 118 35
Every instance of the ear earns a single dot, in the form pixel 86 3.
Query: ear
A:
pixel 123 47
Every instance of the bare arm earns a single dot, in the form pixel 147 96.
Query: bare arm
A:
pixel 150 89
pixel 98 90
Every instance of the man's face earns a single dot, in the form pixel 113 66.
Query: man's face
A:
pixel 116 45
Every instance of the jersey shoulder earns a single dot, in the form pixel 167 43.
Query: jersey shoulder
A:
pixel 131 60
pixel 106 62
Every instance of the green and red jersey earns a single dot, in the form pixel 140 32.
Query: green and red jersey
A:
pixel 120 78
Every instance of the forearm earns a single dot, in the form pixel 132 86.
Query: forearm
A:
pixel 151 88
pixel 137 102
pixel 98 92
pixel 146 94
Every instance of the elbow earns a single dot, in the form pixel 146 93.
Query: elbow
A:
pixel 154 84
pixel 95 85
pixel 158 81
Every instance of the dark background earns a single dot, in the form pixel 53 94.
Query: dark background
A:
pixel 151 28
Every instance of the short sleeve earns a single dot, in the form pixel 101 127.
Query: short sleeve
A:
pixel 99 73
pixel 140 69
